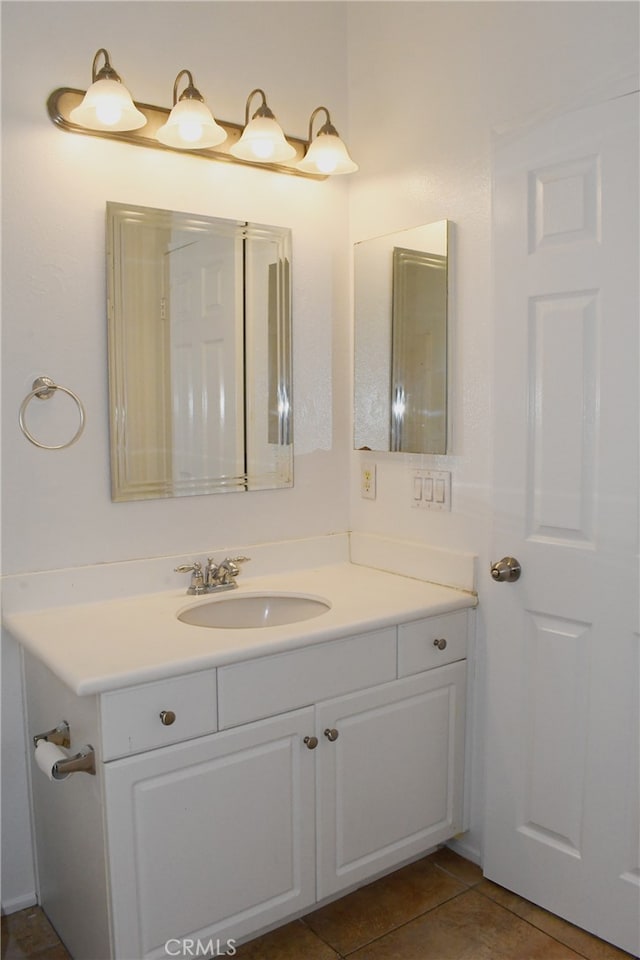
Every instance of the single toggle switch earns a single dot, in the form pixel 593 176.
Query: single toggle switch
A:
pixel 427 485
pixel 417 488
pixel 439 491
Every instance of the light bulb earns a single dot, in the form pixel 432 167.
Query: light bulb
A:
pixel 262 139
pixel 190 125
pixel 326 154
pixel 107 104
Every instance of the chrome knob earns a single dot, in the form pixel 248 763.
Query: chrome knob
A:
pixel 331 734
pixel 507 570
pixel 440 643
pixel 311 742
pixel 167 717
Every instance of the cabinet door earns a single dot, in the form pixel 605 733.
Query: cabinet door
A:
pixel 390 784
pixel 211 839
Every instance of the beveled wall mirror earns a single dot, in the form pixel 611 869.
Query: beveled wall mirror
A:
pixel 199 323
pixel 401 334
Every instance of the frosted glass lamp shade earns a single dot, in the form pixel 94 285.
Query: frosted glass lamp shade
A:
pixel 263 141
pixel 107 105
pixel 327 154
pixel 191 125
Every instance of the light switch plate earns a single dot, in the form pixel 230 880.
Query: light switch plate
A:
pixel 431 489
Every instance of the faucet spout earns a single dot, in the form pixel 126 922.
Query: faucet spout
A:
pixel 215 576
pixel 223 574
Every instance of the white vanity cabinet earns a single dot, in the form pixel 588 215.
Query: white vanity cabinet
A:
pixel 282 781
pixel 213 838
pixel 389 785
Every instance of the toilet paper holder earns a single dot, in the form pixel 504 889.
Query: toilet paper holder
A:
pixel 82 762
pixel 60 735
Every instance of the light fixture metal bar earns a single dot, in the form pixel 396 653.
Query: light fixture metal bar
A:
pixel 64 99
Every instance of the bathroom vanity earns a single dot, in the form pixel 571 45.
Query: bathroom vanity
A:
pixel 242 775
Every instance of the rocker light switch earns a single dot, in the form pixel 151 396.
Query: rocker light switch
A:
pixel 436 489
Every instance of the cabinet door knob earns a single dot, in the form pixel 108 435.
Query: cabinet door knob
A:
pixel 167 717
pixel 331 734
pixel 440 643
pixel 311 742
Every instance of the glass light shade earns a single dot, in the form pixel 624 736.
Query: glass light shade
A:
pixel 190 125
pixel 107 105
pixel 327 154
pixel 263 141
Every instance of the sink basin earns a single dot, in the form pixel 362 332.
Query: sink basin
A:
pixel 254 610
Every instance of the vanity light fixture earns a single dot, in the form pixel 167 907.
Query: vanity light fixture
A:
pixel 326 154
pixel 190 123
pixel 106 110
pixel 107 104
pixel 262 137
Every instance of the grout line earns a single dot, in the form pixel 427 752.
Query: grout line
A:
pixel 404 923
pixel 535 926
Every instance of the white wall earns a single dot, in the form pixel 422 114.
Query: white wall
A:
pixel 430 85
pixel 57 510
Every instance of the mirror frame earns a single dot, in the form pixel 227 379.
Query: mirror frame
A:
pixel 266 420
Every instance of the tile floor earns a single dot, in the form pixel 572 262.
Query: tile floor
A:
pixel 438 908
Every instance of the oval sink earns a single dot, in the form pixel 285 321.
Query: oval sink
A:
pixel 254 610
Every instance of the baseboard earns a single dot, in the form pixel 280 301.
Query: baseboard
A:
pixel 19 903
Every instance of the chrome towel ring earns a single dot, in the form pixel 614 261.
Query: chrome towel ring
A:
pixel 44 388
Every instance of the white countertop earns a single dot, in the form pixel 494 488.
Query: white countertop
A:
pixel 95 647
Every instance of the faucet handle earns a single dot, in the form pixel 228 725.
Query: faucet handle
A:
pixel 197 579
pixel 188 567
pixel 231 564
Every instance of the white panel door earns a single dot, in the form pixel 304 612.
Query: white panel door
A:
pixel 204 302
pixel 212 838
pixel 562 739
pixel 390 784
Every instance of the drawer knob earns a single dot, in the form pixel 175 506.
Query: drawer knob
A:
pixel 440 643
pixel 167 717
pixel 331 734
pixel 311 742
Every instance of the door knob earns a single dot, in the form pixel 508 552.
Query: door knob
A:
pixel 331 734
pixel 167 717
pixel 507 570
pixel 311 742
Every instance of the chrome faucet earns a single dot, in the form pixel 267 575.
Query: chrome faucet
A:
pixel 216 576
pixel 220 576
pixel 197 584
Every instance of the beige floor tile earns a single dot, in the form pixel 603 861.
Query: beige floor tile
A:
pixel 457 866
pixel 294 941
pixel 26 933
pixel 53 953
pixel 469 927
pixel 374 910
pixel 588 946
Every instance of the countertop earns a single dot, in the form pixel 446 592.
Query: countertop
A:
pixel 95 647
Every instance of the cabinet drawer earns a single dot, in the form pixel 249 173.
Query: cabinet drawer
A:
pixel 131 719
pixel 262 688
pixel 417 648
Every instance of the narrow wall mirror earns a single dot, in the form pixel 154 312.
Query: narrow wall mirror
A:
pixel 401 334
pixel 199 326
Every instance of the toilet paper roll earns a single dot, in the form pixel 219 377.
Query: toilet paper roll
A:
pixel 47 755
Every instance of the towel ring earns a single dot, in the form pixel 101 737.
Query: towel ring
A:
pixel 44 388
